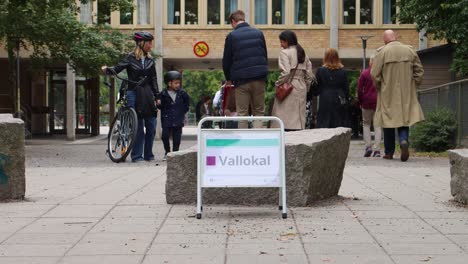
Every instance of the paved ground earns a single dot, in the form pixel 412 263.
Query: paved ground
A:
pixel 81 208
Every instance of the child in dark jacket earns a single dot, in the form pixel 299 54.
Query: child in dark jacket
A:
pixel 174 104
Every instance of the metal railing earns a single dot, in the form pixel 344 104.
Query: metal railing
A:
pixel 453 96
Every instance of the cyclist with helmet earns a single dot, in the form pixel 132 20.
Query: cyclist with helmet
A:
pixel 139 64
pixel 174 104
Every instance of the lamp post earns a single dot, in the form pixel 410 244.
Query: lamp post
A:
pixel 278 15
pixel 364 39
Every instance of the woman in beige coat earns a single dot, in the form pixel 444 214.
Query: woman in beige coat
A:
pixel 292 110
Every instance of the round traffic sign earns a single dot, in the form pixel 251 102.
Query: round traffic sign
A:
pixel 201 49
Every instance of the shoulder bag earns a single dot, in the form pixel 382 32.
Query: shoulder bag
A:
pixel 284 89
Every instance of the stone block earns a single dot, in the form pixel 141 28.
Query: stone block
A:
pixel 315 161
pixel 459 174
pixel 12 161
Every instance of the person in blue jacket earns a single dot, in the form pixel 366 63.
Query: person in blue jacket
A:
pixel 174 104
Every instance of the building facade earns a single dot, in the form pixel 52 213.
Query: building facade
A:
pixel 55 101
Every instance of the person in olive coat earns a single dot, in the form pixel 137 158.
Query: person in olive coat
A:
pixel 174 104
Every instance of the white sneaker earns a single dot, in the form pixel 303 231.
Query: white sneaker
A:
pixel 165 157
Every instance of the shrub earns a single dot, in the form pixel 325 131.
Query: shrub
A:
pixel 436 133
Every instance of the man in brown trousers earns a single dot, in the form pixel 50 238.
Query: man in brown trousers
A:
pixel 245 65
pixel 396 72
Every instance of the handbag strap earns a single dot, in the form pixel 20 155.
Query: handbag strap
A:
pixel 292 76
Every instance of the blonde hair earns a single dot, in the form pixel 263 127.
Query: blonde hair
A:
pixel 139 53
pixel 331 60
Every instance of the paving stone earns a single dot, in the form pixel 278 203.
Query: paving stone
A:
pixel 60 225
pixel 12 224
pixel 146 211
pixel 359 249
pixel 127 225
pixel 112 244
pixel 43 238
pixel 450 226
pixel 33 250
pixel 182 259
pixel 28 260
pixel 430 258
pixel 187 249
pixel 267 258
pixel 402 248
pixel 191 238
pixel 351 259
pixel 23 209
pixel 120 259
pixel 79 211
pixel 273 248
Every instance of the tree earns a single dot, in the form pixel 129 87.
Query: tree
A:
pixel 444 20
pixel 51 32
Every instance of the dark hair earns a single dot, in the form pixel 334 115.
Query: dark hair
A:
pixel 291 38
pixel 237 16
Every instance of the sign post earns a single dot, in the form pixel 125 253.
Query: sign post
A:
pixel 241 158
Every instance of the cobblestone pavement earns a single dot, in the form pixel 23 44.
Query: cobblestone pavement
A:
pixel 81 208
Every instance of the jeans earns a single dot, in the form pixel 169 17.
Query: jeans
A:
pixel 389 138
pixel 176 133
pixel 144 141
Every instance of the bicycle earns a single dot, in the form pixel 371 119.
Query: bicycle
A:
pixel 124 126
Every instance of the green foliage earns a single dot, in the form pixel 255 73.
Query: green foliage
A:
pixel 353 77
pixel 270 90
pixel 51 31
pixel 436 133
pixel 445 20
pixel 201 83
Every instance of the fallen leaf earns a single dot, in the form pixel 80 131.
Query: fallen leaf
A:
pixel 263 253
pixel 426 259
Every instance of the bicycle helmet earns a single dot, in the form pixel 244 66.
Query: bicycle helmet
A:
pixel 142 36
pixel 172 75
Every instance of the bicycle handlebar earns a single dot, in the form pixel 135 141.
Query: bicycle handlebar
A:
pixel 123 79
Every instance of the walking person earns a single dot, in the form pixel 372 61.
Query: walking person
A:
pixel 367 96
pixel 397 71
pixel 245 64
pixel 139 64
pixel 206 109
pixel 333 91
pixel 296 67
pixel 174 104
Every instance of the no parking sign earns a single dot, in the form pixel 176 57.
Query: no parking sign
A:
pixel 201 49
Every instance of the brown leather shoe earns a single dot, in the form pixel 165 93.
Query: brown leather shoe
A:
pixel 388 156
pixel 404 146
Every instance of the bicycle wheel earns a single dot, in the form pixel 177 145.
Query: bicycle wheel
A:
pixel 122 134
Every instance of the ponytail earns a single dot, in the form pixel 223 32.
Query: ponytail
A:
pixel 300 53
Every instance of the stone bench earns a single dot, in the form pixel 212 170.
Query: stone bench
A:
pixel 315 160
pixel 12 172
pixel 459 174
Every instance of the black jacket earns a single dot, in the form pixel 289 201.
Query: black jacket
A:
pixel 245 55
pixel 173 112
pixel 331 84
pixel 148 92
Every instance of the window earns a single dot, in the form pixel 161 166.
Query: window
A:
pixel 229 7
pixel 126 16
pixel 349 12
pixel 103 13
pixel 214 12
pixel 366 12
pixel 358 12
pixel 144 8
pixel 191 12
pixel 300 12
pixel 318 11
pixel 173 12
pixel 278 11
pixel 389 11
pixel 86 13
pixel 261 12
pixel 264 15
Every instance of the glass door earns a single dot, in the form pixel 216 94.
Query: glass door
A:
pixel 57 100
pixel 83 108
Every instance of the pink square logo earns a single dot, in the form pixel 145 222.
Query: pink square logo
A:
pixel 210 161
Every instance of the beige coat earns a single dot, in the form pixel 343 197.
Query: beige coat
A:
pixel 397 71
pixel 292 109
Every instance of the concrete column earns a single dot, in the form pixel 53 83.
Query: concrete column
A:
pixel 71 108
pixel 334 23
pixel 422 40
pixel 159 50
pixel 247 11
